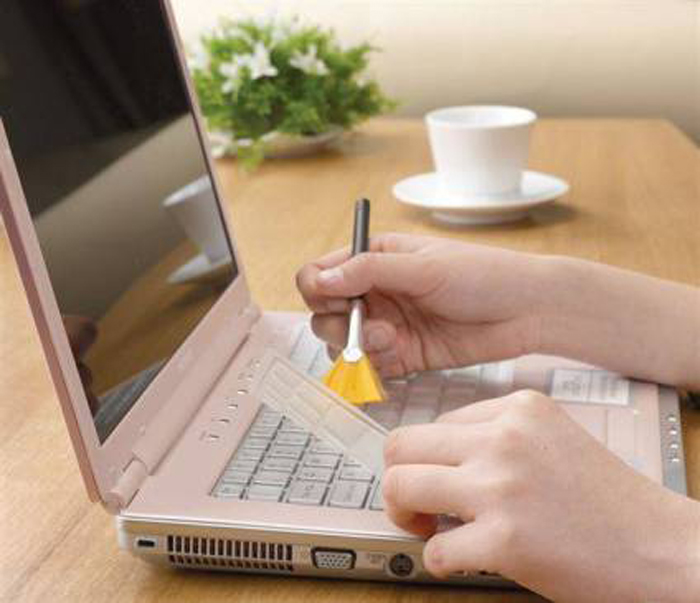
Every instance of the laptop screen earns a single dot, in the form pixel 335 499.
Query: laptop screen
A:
pixel 102 132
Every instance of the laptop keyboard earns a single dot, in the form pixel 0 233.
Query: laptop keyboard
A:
pixel 279 461
pixel 282 462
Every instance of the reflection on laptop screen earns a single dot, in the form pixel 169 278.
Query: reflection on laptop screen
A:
pixel 106 146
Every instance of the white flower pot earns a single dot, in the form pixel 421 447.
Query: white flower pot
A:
pixel 277 145
pixel 287 145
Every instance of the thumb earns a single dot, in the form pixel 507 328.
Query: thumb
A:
pixel 395 272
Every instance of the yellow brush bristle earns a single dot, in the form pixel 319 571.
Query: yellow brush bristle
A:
pixel 357 382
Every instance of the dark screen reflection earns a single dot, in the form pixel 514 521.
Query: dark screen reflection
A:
pixel 107 150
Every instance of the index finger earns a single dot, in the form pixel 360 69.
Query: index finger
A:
pixel 306 277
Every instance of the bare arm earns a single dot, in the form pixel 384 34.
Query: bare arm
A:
pixel 637 325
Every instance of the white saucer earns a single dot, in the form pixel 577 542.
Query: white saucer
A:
pixel 424 191
pixel 198 269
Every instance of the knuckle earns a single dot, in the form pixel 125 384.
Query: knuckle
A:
pixel 509 438
pixel 531 402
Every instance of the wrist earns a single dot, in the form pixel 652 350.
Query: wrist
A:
pixel 553 315
pixel 671 558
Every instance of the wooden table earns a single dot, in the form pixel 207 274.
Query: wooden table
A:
pixel 634 203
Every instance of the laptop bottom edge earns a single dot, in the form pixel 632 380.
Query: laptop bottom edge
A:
pixel 246 549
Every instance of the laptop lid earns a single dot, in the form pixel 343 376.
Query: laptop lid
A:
pixel 115 217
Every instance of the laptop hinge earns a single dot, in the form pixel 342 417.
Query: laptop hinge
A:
pixel 127 486
pixel 151 449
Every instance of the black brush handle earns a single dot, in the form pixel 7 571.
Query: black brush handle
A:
pixel 360 235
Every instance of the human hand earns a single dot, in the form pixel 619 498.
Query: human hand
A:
pixel 431 303
pixel 544 504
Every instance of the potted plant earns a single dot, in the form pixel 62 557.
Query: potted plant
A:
pixel 280 87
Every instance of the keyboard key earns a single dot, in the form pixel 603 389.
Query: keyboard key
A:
pixel 423 398
pixel 262 431
pixel 348 495
pixel 351 462
pixel 256 443
pixel 387 417
pixel 286 452
pixel 328 461
pixel 359 474
pixel 268 420
pixel 264 492
pixel 289 426
pixel 242 465
pixel 321 447
pixel 229 491
pixel 306 493
pixel 271 478
pixel 395 389
pixel 417 414
pixel 377 503
pixel 235 477
pixel 315 474
pixel 292 439
pixel 278 464
pixel 429 381
pixel 248 454
pixel 450 403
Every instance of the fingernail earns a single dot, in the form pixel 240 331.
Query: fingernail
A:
pixel 337 306
pixel 330 276
pixel 377 339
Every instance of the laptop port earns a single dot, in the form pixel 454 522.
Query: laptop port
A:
pixel 401 565
pixel 145 543
pixel 333 559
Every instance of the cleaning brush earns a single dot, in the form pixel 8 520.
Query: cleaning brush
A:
pixel 353 377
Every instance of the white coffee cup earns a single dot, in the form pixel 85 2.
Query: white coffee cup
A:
pixel 480 150
pixel 195 209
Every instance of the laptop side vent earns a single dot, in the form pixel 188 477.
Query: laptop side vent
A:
pixel 191 551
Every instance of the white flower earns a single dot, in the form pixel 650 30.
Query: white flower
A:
pixel 230 72
pixel 309 62
pixel 258 64
pixel 220 143
pixel 244 35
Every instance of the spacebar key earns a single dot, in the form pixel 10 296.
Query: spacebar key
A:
pixel 349 495
pixel 264 492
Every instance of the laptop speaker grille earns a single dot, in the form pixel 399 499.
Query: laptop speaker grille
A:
pixel 192 551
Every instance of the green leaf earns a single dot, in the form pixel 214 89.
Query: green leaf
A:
pixel 293 101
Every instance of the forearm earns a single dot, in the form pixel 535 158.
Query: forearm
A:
pixel 637 325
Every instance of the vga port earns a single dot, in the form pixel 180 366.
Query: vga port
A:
pixel 333 559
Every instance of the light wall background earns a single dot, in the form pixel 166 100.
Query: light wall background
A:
pixel 559 57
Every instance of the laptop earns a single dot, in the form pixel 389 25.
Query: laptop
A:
pixel 154 342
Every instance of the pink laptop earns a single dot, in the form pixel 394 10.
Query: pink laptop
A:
pixel 128 258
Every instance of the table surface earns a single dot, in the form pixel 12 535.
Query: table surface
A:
pixel 633 203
